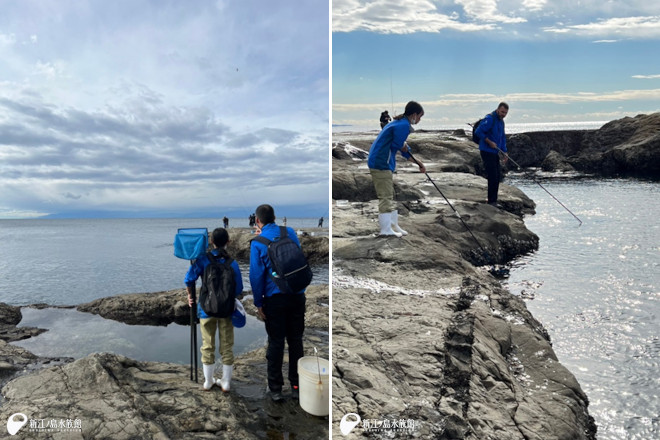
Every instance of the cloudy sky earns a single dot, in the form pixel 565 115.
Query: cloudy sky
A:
pixel 553 61
pixel 160 107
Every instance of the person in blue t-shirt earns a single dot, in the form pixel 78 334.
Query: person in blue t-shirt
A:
pixel 208 325
pixel 492 143
pixel 382 163
pixel 283 314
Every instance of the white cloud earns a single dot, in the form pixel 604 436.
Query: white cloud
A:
pixel 510 18
pixel 534 5
pixel 394 17
pixel 49 69
pixel 454 100
pixel 487 11
pixel 620 27
pixel 646 76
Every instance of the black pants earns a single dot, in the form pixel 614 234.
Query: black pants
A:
pixel 492 165
pixel 285 319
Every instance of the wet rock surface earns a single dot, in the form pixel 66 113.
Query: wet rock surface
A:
pixel 115 397
pixel 422 332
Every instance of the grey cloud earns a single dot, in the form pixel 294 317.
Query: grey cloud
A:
pixel 164 147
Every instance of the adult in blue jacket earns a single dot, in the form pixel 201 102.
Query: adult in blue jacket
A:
pixel 283 314
pixel 208 325
pixel 382 163
pixel 492 141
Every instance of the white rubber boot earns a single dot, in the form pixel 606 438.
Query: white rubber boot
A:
pixel 208 376
pixel 385 221
pixel 227 371
pixel 395 223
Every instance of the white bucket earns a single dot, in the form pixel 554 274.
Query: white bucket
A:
pixel 314 396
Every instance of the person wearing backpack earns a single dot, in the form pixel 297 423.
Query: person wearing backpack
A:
pixel 382 163
pixel 385 119
pixel 492 142
pixel 216 264
pixel 280 302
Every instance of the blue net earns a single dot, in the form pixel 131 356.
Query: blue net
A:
pixel 191 243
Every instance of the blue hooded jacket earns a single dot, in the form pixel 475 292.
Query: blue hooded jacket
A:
pixel 492 127
pixel 197 269
pixel 382 155
pixel 260 267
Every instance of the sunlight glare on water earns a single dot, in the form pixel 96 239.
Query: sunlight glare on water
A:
pixel 595 288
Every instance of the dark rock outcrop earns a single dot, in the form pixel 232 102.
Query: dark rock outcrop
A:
pixel 160 308
pixel 164 308
pixel 624 147
pixel 15 359
pixel 556 162
pixel 315 247
pixel 10 316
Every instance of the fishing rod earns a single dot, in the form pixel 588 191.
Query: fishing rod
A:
pixel 544 188
pixel 391 91
pixel 499 273
pixel 538 183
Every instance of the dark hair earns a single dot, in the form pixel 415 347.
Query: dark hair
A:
pixel 411 108
pixel 219 238
pixel 503 104
pixel 265 214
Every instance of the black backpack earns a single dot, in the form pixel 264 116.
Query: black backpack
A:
pixel 475 138
pixel 291 272
pixel 218 291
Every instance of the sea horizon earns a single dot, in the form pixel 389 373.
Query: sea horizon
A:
pixel 511 128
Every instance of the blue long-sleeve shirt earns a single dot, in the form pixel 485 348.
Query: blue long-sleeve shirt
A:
pixel 492 127
pixel 260 267
pixel 382 154
pixel 197 269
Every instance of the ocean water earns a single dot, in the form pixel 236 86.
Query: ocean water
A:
pixel 596 288
pixel 73 261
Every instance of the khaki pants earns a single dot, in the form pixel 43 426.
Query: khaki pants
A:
pixel 226 329
pixel 384 184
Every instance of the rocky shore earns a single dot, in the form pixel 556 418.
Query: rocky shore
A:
pixel 423 336
pixel 628 147
pixel 114 397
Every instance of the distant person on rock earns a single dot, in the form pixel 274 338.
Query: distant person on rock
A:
pixel 492 143
pixel 320 222
pixel 385 119
pixel 382 163
pixel 208 325
pixel 225 222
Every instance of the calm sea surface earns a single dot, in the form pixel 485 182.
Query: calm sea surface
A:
pixel 596 288
pixel 69 262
